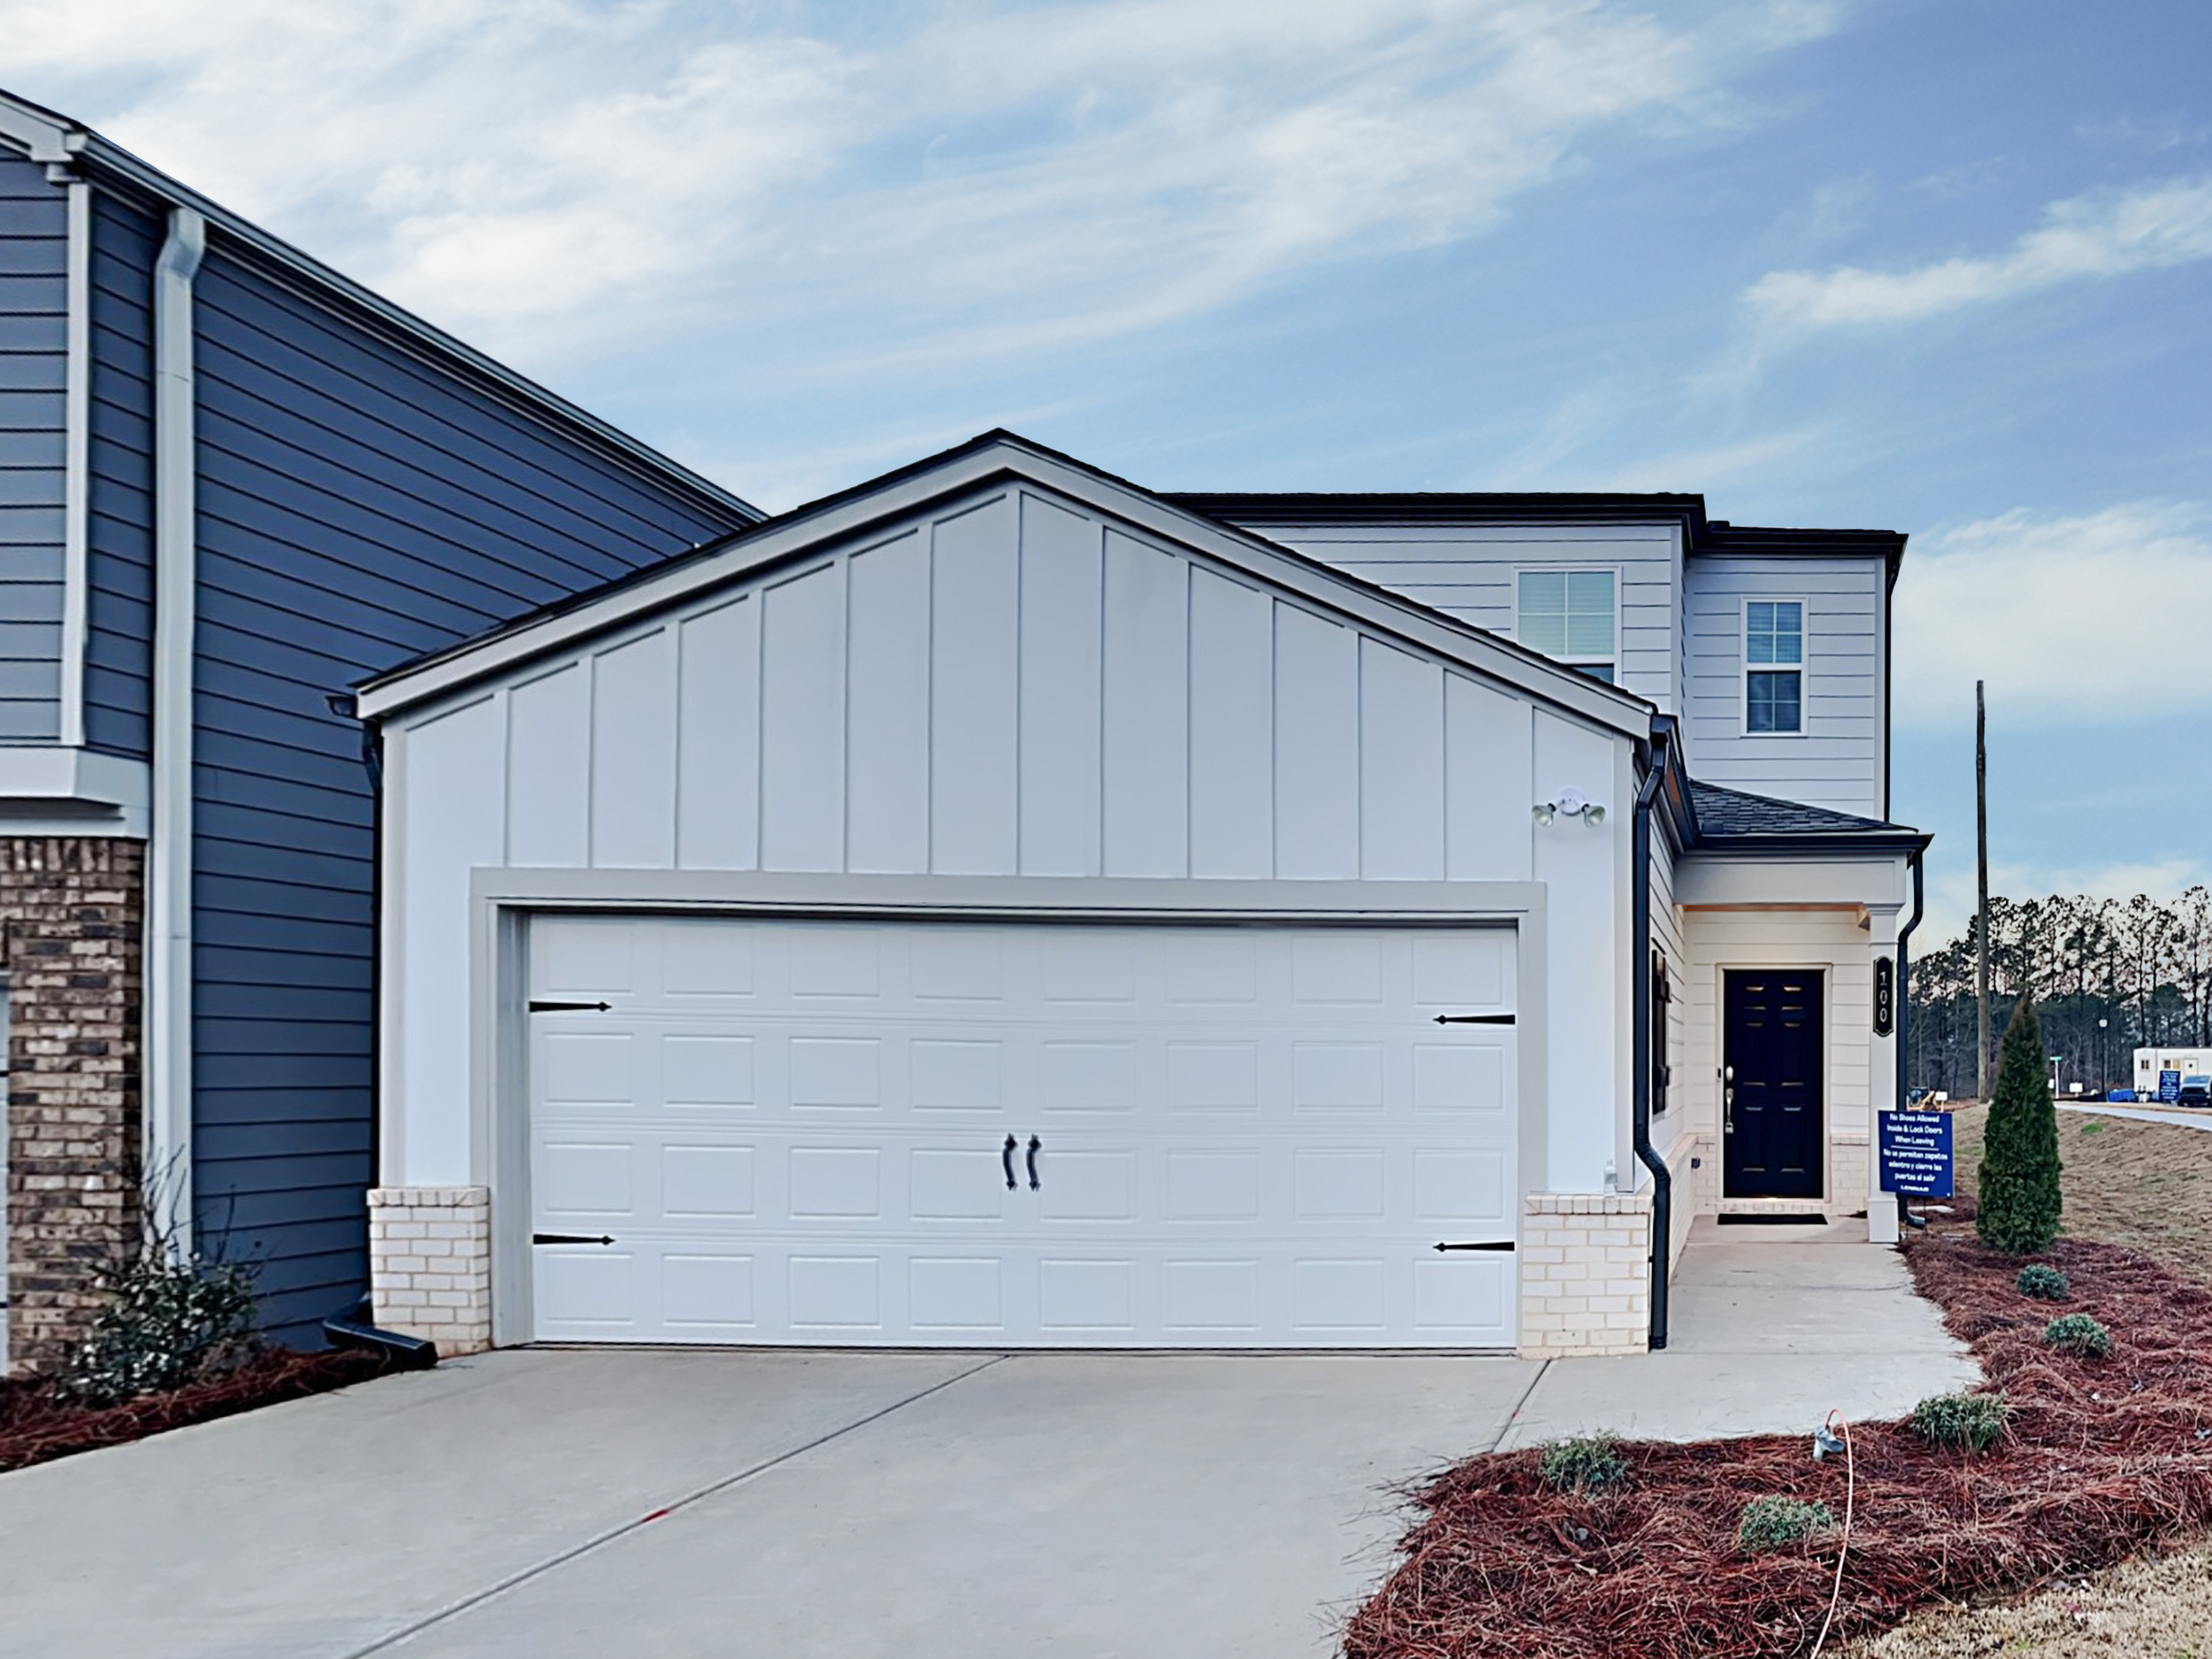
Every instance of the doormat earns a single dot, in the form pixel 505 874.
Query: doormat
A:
pixel 1764 1219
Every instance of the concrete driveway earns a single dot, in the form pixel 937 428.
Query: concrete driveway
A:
pixel 564 1504
pixel 553 1504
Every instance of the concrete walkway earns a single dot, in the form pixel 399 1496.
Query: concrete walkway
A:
pixel 2140 1114
pixel 564 1504
pixel 1769 1330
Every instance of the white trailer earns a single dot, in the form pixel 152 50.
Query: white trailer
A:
pixel 2149 1062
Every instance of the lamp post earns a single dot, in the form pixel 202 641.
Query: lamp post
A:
pixel 2104 1059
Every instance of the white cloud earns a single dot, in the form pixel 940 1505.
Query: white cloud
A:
pixel 2066 618
pixel 2106 233
pixel 924 185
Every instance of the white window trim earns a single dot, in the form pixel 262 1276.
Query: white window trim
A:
pixel 1744 666
pixel 1620 601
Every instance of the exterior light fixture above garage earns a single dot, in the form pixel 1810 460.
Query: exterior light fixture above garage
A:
pixel 1573 805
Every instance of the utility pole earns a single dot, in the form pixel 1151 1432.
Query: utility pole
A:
pixel 1982 877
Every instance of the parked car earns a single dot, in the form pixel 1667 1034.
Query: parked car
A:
pixel 2195 1091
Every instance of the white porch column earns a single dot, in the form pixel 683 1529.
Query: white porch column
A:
pixel 1885 1060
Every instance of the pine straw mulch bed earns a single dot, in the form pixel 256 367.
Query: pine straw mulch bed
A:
pixel 36 1424
pixel 2104 1457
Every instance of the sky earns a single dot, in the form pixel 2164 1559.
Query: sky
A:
pixel 1940 266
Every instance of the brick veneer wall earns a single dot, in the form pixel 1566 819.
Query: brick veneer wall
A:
pixel 429 1264
pixel 73 913
pixel 1585 1274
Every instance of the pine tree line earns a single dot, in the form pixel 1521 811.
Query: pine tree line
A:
pixel 2142 968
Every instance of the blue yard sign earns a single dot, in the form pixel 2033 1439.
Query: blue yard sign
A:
pixel 1916 1154
pixel 2169 1086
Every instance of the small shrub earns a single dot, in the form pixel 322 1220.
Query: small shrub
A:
pixel 2078 1334
pixel 1589 1463
pixel 1973 1422
pixel 2044 1284
pixel 168 1323
pixel 1772 1523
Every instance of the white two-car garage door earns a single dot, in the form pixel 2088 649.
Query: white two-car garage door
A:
pixel 1021 1133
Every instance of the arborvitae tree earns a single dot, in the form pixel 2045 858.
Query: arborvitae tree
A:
pixel 2019 1211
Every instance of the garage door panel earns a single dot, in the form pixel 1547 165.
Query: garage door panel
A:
pixel 1247 1136
pixel 1462 1298
pixel 711 1183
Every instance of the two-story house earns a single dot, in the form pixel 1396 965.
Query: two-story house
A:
pixel 1000 905
pixel 232 481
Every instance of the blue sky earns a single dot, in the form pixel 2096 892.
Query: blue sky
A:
pixel 1940 266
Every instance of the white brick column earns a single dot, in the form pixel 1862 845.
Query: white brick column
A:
pixel 429 1264
pixel 1585 1274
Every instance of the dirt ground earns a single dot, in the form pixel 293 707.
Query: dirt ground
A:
pixel 2143 1185
pixel 2150 1187
pixel 2149 1609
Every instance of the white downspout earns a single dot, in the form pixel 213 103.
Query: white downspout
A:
pixel 168 1044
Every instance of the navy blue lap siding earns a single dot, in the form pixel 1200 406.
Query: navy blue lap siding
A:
pixel 119 534
pixel 33 413
pixel 359 505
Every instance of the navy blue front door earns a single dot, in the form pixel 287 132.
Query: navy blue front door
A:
pixel 1771 1109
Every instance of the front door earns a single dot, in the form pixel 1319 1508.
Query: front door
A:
pixel 1771 1106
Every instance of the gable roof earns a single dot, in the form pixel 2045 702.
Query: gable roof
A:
pixel 1700 535
pixel 60 142
pixel 1732 819
pixel 992 457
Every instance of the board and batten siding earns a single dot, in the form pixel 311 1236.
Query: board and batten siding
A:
pixel 33 422
pixel 119 532
pixel 1468 571
pixel 1836 761
pixel 359 505
pixel 1008 685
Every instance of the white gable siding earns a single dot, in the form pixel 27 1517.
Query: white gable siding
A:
pixel 1008 685
pixel 1836 761
pixel 1468 571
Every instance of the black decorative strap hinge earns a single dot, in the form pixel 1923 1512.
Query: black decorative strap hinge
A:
pixel 569 1239
pixel 1474 1020
pixel 539 1006
pixel 1493 1244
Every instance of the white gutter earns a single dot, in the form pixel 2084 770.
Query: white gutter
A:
pixel 168 1044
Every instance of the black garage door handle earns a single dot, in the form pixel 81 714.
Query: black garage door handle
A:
pixel 1035 1147
pixel 1006 1160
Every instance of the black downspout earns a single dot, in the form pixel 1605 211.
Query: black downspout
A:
pixel 1662 1208
pixel 1904 1019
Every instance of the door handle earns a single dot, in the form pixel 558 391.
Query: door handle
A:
pixel 1006 1160
pixel 1728 1110
pixel 1035 1147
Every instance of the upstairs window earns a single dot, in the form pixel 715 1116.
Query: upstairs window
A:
pixel 1774 666
pixel 1570 615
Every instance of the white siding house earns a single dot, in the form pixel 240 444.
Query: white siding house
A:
pixel 999 906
